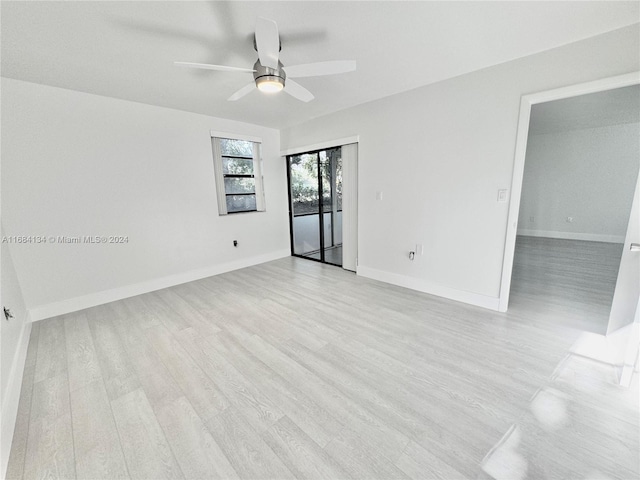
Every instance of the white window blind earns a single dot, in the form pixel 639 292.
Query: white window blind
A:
pixel 350 206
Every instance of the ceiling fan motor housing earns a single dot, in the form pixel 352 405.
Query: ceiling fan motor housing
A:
pixel 266 74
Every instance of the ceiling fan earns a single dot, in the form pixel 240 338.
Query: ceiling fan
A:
pixel 269 75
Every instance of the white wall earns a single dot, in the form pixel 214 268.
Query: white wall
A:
pixel 80 164
pixel 14 337
pixel 588 174
pixel 440 153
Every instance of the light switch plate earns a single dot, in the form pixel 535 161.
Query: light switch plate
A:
pixel 378 195
pixel 502 196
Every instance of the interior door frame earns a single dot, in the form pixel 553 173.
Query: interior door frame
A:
pixel 526 102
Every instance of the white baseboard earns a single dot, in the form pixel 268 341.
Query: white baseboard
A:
pixel 41 312
pixel 476 299
pixel 587 237
pixel 12 397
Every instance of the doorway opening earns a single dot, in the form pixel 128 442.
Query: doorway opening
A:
pixel 570 216
pixel 579 180
pixel 315 199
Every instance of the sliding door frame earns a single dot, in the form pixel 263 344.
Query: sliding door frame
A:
pixel 325 145
pixel 320 206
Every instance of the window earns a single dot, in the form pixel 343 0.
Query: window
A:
pixel 238 175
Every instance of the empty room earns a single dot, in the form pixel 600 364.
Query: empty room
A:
pixel 320 240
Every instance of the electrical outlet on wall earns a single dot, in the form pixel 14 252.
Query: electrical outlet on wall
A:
pixel 532 219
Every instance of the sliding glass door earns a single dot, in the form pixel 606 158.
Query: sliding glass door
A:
pixel 315 194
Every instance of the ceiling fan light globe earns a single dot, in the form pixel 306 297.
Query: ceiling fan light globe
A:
pixel 270 84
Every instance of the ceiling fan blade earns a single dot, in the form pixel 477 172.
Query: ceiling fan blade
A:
pixel 206 66
pixel 298 91
pixel 242 92
pixel 301 37
pixel 320 68
pixel 267 42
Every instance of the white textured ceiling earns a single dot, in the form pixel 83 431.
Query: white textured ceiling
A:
pixel 125 49
pixel 611 107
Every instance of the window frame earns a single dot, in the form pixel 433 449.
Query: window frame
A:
pixel 240 175
pixel 220 176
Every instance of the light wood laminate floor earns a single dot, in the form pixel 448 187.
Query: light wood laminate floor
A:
pixel 294 369
pixel 568 282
